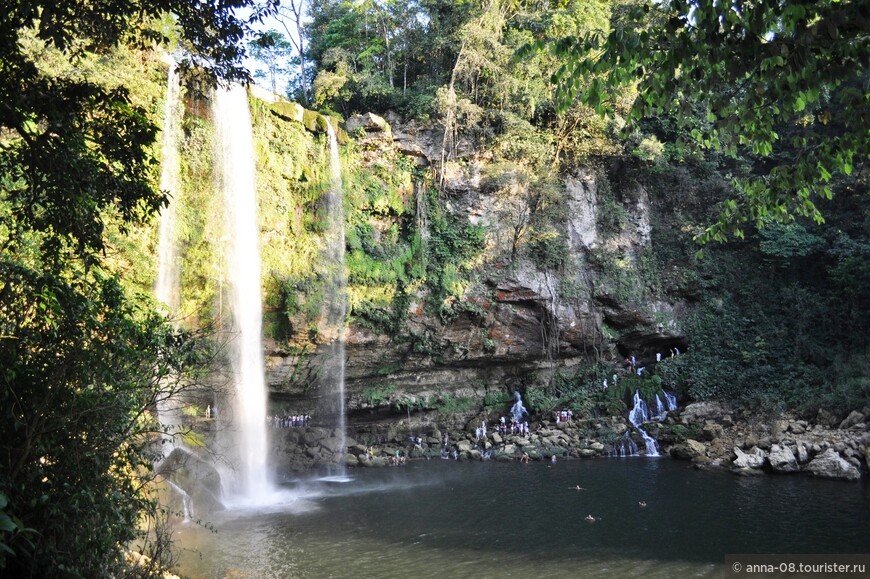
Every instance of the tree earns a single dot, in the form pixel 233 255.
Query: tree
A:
pixel 273 50
pixel 72 147
pixel 295 13
pixel 81 362
pixel 783 83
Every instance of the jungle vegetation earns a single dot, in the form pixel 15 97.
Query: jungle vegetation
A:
pixel 762 108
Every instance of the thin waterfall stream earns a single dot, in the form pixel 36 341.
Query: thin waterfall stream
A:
pixel 166 287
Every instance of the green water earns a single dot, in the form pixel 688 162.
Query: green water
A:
pixel 446 519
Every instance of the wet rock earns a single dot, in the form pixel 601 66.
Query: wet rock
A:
pixel 331 444
pixel 831 465
pixel 782 459
pixel 351 460
pixel 802 454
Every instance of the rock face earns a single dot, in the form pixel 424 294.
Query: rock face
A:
pixel 521 322
pixel 831 465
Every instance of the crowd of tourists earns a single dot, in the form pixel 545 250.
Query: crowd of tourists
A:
pixel 290 420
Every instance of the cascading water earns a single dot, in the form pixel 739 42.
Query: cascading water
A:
pixel 166 288
pixel 236 174
pixel 337 287
pixel 638 415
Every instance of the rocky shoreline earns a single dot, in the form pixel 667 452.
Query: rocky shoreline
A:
pixel 745 444
pixel 709 434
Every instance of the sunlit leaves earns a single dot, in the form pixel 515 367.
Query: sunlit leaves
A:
pixel 736 76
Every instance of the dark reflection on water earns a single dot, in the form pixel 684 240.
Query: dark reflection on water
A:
pixel 441 518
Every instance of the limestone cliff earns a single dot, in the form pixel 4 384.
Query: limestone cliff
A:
pixel 520 318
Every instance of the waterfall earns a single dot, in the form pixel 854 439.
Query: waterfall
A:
pixel 638 415
pixel 186 501
pixel 337 286
pixel 236 175
pixel 166 288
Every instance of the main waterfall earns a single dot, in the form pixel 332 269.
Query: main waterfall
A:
pixel 236 178
pixel 337 280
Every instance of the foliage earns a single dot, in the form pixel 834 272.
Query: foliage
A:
pixel 376 396
pixel 83 358
pixel 784 82
pixel 446 403
pixel 82 369
pixel 73 147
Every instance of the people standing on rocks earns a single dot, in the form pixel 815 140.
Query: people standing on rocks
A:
pixel 605 384
pixel 658 356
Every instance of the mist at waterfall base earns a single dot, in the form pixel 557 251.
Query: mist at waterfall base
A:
pixel 463 519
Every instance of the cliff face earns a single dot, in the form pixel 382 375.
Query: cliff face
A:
pixel 523 314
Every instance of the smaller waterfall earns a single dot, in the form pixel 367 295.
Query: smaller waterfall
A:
pixel 640 413
pixel 166 288
pixel 518 410
pixel 625 446
pixel 186 501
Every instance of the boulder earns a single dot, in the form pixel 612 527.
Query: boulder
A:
pixel 464 446
pixel 825 418
pixel 351 460
pixel 368 122
pixel 332 444
pixel 831 465
pixel 798 426
pixel 853 419
pixel 696 448
pixel 782 459
pixel 699 412
pixel 689 450
pixel 712 430
pixel 752 459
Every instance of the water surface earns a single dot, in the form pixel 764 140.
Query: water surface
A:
pixel 447 519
